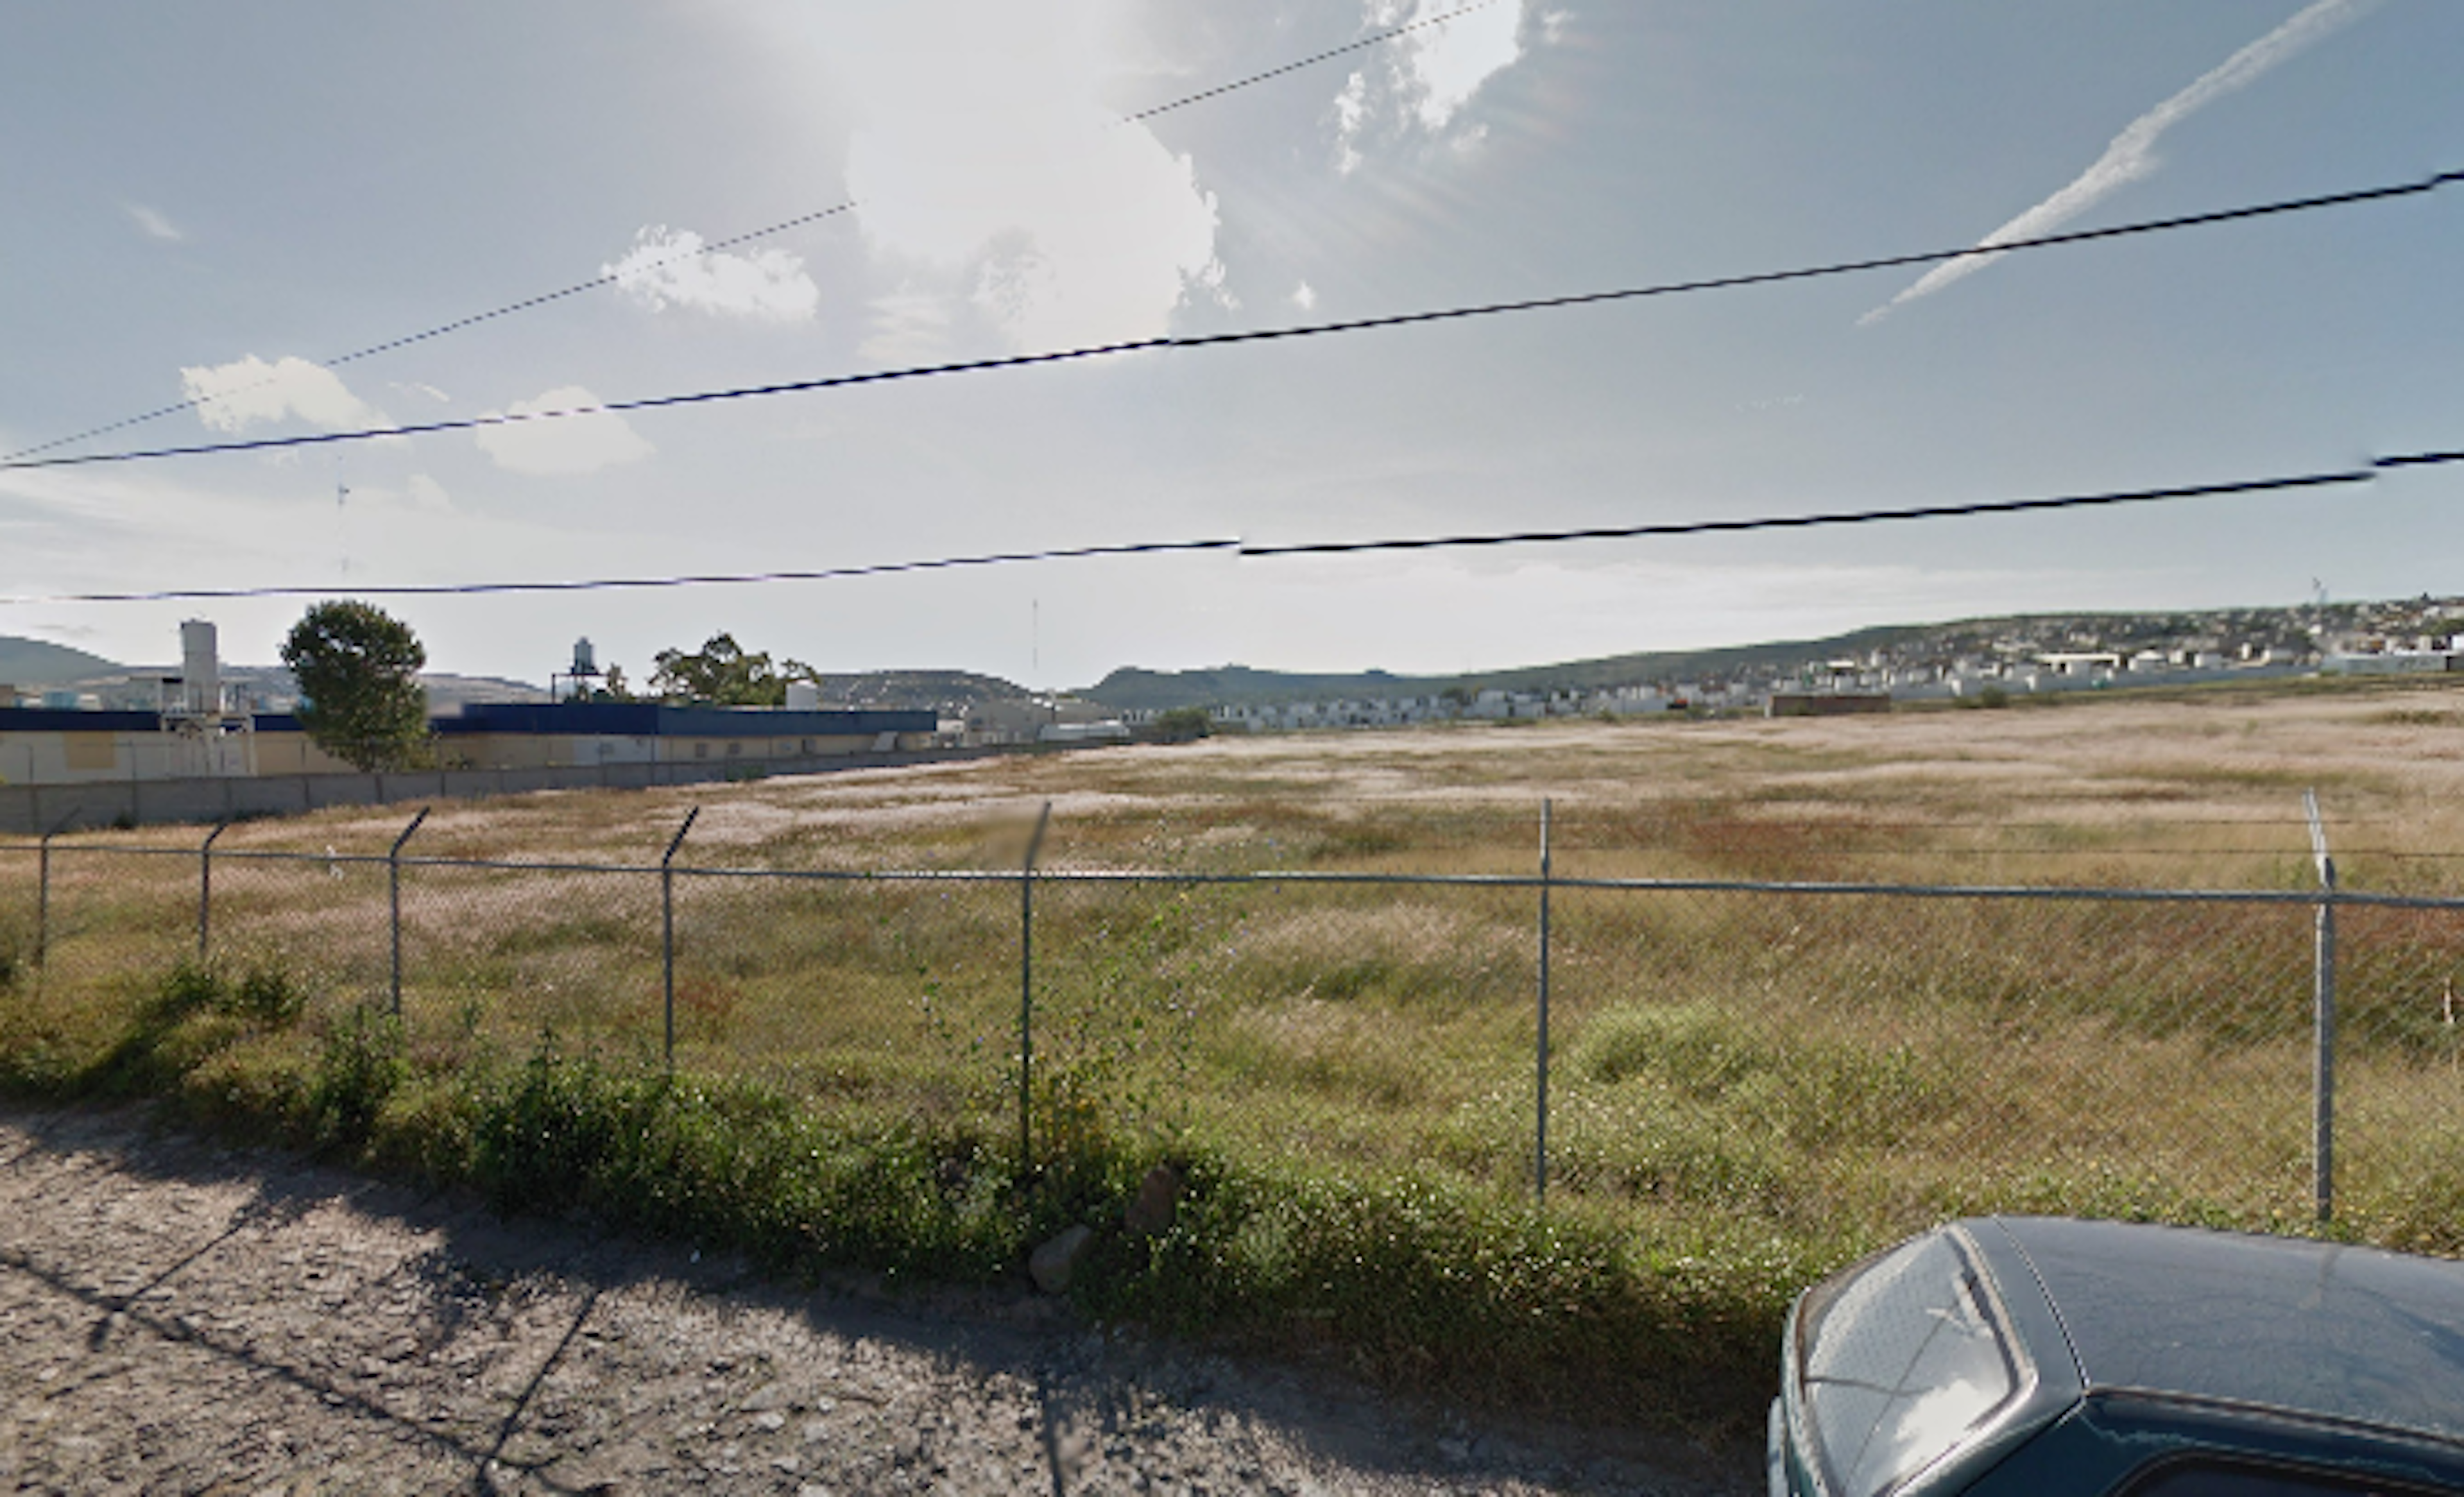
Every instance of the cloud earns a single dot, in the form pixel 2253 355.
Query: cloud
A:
pixel 993 177
pixel 233 397
pixel 908 326
pixel 2132 155
pixel 121 530
pixel 669 268
pixel 566 445
pixel 1305 297
pixel 155 225
pixel 1448 64
pixel 1424 77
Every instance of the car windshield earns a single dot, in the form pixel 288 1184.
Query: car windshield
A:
pixel 1901 1361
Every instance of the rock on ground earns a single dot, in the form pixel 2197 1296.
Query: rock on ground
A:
pixel 182 1317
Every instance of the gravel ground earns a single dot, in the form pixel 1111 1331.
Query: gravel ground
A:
pixel 179 1317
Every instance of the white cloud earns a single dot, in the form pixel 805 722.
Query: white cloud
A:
pixel 558 444
pixel 1351 121
pixel 992 175
pixel 1305 297
pixel 669 268
pixel 2132 157
pixel 1448 64
pixel 233 397
pixel 1424 77
pixel 155 225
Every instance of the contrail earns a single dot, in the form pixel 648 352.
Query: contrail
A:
pixel 2132 155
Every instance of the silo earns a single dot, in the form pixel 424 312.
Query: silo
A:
pixel 200 668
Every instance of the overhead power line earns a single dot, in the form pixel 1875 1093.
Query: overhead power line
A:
pixel 1823 518
pixel 1834 518
pixel 713 247
pixel 619 584
pixel 2355 197
pixel 1374 39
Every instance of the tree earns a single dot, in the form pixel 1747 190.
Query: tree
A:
pixel 720 672
pixel 1183 724
pixel 358 668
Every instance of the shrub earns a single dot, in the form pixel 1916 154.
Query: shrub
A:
pixel 1183 725
pixel 356 1069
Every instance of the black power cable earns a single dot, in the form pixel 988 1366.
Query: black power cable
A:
pixel 603 279
pixel 2346 199
pixel 1237 548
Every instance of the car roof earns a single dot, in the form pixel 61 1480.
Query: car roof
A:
pixel 2289 1323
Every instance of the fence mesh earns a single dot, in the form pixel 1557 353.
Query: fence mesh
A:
pixel 890 999
pixel 1855 1060
pixel 20 887
pixel 2399 1084
pixel 1884 1057
pixel 324 919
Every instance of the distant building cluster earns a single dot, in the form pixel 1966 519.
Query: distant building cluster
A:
pixel 205 723
pixel 1956 663
pixel 1490 705
pixel 196 729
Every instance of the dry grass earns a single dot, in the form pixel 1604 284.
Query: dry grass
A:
pixel 1835 1069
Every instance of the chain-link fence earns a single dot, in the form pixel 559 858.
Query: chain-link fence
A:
pixel 1840 1051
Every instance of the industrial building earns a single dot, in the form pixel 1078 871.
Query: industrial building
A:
pixel 193 735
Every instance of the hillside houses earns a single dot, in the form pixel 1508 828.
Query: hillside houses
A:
pixel 1951 662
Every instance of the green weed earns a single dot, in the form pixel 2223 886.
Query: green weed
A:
pixel 357 1070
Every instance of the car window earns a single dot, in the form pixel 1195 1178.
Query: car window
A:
pixel 2201 1479
pixel 1900 1362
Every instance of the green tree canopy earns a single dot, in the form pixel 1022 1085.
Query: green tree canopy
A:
pixel 358 668
pixel 1181 724
pixel 721 671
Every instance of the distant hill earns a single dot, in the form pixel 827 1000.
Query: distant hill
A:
pixel 1131 689
pixel 31 662
pixel 2295 630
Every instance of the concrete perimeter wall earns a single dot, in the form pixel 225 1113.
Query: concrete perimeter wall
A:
pixel 30 810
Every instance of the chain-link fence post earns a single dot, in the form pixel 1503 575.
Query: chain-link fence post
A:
pixel 1026 988
pixel 2323 1123
pixel 393 901
pixel 1540 1129
pixel 205 894
pixel 43 890
pixel 667 929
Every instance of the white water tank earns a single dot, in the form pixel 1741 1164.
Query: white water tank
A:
pixel 201 671
pixel 803 696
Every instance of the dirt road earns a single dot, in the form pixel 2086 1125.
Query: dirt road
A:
pixel 177 1317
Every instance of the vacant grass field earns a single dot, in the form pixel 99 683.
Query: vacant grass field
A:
pixel 1745 1088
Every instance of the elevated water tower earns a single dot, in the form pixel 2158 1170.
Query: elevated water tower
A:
pixel 586 670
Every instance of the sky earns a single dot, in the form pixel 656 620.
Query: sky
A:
pixel 205 207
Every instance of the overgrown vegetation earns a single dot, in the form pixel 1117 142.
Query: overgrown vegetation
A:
pixel 1416 1280
pixel 1746 1090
